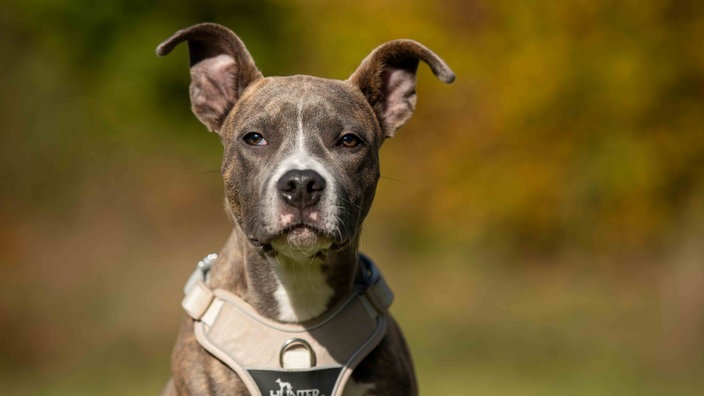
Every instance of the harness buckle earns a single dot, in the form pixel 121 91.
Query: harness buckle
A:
pixel 197 300
pixel 293 343
pixel 198 296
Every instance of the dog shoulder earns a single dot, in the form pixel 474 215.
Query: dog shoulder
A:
pixel 196 372
pixel 392 358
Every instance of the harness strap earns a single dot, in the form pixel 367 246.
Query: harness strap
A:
pixel 198 296
pixel 254 346
pixel 197 300
pixel 378 292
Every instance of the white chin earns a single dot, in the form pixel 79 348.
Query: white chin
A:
pixel 300 243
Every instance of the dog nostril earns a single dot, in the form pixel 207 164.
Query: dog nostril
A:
pixel 291 186
pixel 301 188
pixel 316 184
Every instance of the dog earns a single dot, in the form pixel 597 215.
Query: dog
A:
pixel 300 169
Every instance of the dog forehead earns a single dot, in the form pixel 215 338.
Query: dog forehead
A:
pixel 287 97
pixel 301 87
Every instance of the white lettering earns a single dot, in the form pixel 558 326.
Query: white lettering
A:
pixel 286 389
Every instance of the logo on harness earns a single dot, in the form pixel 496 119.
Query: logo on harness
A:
pixel 285 389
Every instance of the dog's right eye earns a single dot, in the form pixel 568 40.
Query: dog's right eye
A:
pixel 350 140
pixel 254 139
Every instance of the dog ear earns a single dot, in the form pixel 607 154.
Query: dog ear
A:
pixel 221 69
pixel 387 78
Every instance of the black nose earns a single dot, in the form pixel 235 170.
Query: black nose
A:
pixel 301 188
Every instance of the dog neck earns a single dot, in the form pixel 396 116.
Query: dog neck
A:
pixel 282 288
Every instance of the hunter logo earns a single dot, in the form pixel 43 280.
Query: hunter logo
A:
pixel 285 389
pixel 310 382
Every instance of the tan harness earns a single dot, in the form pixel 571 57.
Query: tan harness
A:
pixel 255 347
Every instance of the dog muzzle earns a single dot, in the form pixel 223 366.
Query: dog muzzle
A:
pixel 256 347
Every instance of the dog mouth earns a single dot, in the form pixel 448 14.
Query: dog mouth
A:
pixel 302 240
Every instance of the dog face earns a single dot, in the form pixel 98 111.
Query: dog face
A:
pixel 301 163
pixel 301 153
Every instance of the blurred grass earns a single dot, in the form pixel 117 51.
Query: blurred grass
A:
pixel 540 220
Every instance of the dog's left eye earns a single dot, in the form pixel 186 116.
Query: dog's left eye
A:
pixel 254 139
pixel 350 140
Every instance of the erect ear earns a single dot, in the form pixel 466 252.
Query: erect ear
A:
pixel 387 78
pixel 221 69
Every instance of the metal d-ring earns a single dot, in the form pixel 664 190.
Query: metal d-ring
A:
pixel 296 342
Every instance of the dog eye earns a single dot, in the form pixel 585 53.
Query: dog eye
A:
pixel 350 140
pixel 254 139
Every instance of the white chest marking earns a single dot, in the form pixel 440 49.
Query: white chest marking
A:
pixel 302 291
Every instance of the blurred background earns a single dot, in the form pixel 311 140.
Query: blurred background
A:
pixel 541 220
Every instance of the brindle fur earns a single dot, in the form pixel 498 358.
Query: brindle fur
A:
pixel 230 96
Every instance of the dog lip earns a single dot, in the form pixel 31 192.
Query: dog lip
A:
pixel 296 226
pixel 264 242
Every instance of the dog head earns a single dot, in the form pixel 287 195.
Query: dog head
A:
pixel 301 153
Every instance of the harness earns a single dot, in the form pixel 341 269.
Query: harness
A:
pixel 315 358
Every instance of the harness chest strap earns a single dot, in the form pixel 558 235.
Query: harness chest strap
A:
pixel 253 346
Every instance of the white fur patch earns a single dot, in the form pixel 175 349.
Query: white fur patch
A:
pixel 301 158
pixel 302 291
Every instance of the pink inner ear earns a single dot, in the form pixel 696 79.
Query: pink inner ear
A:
pixel 212 89
pixel 400 99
